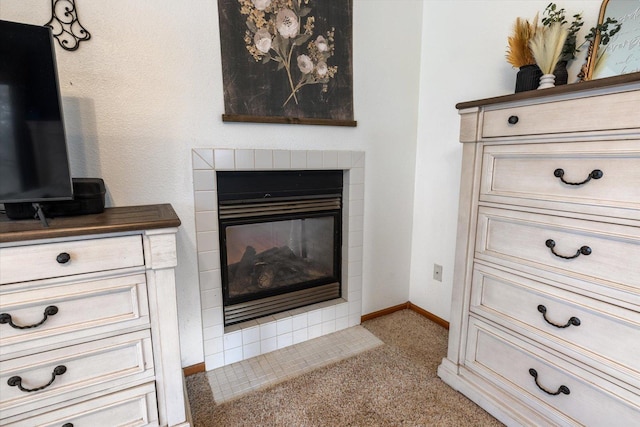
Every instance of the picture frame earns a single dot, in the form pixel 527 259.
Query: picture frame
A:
pixel 287 61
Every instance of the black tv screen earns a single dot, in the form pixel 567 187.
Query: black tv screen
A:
pixel 34 163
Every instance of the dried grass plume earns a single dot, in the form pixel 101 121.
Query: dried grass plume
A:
pixel 519 53
pixel 547 45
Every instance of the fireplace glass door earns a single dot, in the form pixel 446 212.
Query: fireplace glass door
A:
pixel 280 240
pixel 277 264
pixel 275 255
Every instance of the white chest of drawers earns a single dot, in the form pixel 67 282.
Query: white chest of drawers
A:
pixel 545 320
pixel 88 321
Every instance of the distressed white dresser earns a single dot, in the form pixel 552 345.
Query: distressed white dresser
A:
pixel 545 320
pixel 88 321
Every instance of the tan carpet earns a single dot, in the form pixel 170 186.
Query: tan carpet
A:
pixel 393 385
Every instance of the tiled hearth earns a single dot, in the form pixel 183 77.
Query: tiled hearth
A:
pixel 237 379
pixel 223 346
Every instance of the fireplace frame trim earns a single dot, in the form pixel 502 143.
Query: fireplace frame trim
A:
pixel 223 346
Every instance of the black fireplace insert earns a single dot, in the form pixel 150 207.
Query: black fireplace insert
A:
pixel 280 240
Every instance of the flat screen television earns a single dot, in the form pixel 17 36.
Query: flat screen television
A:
pixel 34 161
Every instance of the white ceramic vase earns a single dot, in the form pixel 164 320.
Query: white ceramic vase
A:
pixel 547 80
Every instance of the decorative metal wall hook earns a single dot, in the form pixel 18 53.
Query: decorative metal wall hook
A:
pixel 65 24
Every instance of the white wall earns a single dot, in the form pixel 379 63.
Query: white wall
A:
pixel 463 58
pixel 147 88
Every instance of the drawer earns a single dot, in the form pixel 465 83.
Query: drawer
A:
pixel 526 175
pixel 132 407
pixel 82 310
pixel 567 116
pixel 24 263
pixel 584 329
pixel 586 399
pixel 91 367
pixel 520 239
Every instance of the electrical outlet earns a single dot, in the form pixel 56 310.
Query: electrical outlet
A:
pixel 437 272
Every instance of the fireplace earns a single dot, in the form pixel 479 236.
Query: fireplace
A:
pixel 280 240
pixel 224 345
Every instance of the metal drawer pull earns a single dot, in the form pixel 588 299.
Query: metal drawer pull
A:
pixel 595 174
pixel 584 250
pixel 572 321
pixel 513 120
pixel 562 389
pixel 49 311
pixel 17 381
pixel 63 258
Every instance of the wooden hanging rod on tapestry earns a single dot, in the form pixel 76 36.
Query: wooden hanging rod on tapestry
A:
pixel 287 120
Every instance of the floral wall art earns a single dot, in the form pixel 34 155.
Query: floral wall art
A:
pixel 287 61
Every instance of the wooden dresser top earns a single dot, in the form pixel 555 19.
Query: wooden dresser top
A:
pixel 112 220
pixel 557 90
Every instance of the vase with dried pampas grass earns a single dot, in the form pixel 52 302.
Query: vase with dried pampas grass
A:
pixel 519 54
pixel 553 14
pixel 546 47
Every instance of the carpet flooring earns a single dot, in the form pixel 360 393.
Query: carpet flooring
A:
pixel 394 384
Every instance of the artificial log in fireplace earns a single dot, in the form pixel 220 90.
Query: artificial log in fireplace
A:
pixel 271 269
pixel 280 240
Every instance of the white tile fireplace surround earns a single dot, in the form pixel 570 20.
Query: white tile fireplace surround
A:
pixel 223 346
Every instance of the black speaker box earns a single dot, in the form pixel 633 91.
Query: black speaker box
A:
pixel 88 198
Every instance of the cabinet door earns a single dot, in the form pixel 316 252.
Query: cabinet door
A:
pixel 131 407
pixel 70 312
pixel 600 177
pixel 95 366
pixel 573 115
pixel 33 262
pixel 601 253
pixel 551 385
